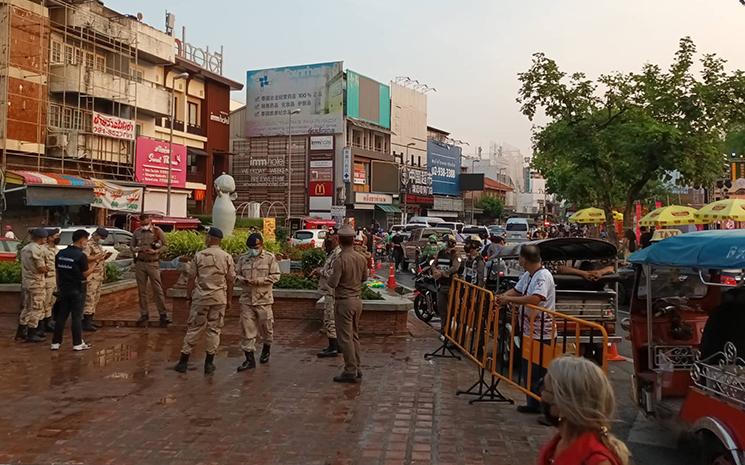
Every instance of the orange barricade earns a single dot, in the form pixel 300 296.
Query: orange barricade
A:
pixel 494 339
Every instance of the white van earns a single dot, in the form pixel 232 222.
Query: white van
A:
pixel 517 229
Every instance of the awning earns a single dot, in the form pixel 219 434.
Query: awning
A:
pixel 390 209
pixel 50 189
pixel 35 178
pixel 196 186
pixel 442 214
pixel 198 152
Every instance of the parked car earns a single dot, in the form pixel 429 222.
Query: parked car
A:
pixel 426 220
pixel 8 249
pixel 313 237
pixel 419 238
pixel 457 227
pixel 473 229
pixel 117 242
pixel 517 229
pixel 498 230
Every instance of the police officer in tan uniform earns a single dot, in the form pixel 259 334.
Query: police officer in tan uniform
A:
pixel 147 242
pixel 97 260
pixel 331 245
pixel 33 283
pixel 50 254
pixel 348 273
pixel 210 288
pixel 257 270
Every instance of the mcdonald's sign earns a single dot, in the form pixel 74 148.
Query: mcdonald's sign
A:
pixel 321 189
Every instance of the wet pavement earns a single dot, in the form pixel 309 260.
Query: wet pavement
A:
pixel 121 403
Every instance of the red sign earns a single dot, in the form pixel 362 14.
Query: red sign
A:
pixel 321 189
pixel 151 164
pixel 420 199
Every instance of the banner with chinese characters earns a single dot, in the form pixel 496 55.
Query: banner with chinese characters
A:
pixel 115 197
pixel 111 126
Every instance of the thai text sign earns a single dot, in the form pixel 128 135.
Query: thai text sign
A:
pixel 153 157
pixel 115 197
pixel 111 126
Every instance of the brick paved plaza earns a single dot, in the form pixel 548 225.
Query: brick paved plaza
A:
pixel 120 403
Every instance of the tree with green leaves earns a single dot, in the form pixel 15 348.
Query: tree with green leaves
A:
pixel 607 142
pixel 492 206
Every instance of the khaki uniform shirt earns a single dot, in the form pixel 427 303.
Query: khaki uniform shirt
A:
pixel 348 273
pixel 143 240
pixel 213 269
pixel 32 260
pixel 323 285
pixel 94 248
pixel 50 254
pixel 263 268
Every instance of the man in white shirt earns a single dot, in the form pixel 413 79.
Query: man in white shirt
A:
pixel 535 287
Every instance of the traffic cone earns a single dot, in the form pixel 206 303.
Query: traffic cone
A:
pixel 392 278
pixel 380 265
pixel 613 355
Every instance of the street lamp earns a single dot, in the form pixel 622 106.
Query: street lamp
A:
pixel 294 111
pixel 170 139
pixel 406 186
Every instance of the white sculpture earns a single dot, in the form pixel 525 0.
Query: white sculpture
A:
pixel 223 210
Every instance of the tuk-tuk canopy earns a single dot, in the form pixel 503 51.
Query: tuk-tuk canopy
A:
pixel 566 248
pixel 716 249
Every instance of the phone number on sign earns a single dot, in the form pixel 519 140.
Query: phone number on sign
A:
pixel 443 172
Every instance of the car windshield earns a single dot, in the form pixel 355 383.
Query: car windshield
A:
pixel 65 238
pixel 473 230
pixel 674 282
pixel 303 235
pixel 517 227
pixel 9 246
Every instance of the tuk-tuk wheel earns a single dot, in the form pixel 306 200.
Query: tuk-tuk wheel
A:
pixel 713 451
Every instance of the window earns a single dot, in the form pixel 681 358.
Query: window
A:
pixel 66 117
pixel 77 120
pixel 193 114
pixel 69 54
pixel 89 60
pixel 54 115
pixel 78 56
pixel 136 74
pixel 100 63
pixel 56 57
pixel 138 130
pixel 191 163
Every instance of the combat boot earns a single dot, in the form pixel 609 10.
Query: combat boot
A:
pixel 331 351
pixel 40 330
pixel 49 325
pixel 21 333
pixel 265 351
pixel 88 323
pixel 249 363
pixel 143 321
pixel 164 321
pixel 350 378
pixel 32 335
pixel 183 363
pixel 209 365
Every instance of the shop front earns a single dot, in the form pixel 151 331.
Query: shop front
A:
pixel 371 207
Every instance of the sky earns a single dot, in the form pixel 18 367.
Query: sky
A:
pixel 469 50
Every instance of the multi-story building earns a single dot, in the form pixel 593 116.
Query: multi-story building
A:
pixel 444 158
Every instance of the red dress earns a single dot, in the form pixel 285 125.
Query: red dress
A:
pixel 585 450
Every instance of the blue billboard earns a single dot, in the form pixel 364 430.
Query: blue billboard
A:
pixel 443 161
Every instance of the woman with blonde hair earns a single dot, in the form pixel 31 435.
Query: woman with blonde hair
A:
pixel 578 399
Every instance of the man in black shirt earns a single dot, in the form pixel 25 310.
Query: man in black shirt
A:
pixel 72 272
pixel 645 239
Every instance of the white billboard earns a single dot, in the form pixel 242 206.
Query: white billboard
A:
pixel 314 91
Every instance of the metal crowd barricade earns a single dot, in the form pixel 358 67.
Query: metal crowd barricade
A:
pixel 492 337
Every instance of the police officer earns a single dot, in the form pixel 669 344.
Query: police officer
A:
pixel 333 250
pixel 72 272
pixel 349 272
pixel 210 288
pixel 447 266
pixel 473 270
pixel 50 254
pixel 33 287
pixel 147 242
pixel 97 260
pixel 257 270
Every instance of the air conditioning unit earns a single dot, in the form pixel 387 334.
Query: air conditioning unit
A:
pixel 57 140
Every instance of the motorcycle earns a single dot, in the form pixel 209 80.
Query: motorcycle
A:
pixel 425 291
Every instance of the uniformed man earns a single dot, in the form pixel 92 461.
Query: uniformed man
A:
pixel 33 283
pixel 72 272
pixel 147 242
pixel 348 273
pixel 50 254
pixel 257 270
pixel 210 288
pixel 97 260
pixel 447 266
pixel 331 245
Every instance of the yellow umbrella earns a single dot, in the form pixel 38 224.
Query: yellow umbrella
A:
pixel 727 209
pixel 672 215
pixel 589 216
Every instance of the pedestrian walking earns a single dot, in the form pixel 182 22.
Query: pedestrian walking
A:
pixel 9 234
pixel 348 273
pixel 578 400
pixel 147 243
pixel 50 255
pixel 97 257
pixel 331 245
pixel 33 287
pixel 535 287
pixel 257 270
pixel 210 288
pixel 72 273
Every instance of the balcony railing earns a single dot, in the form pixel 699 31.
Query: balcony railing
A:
pixel 196 130
pixel 179 126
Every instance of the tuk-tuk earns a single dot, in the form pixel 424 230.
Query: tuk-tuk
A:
pixel 575 296
pixel 679 281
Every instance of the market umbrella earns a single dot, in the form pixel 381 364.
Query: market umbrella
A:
pixel 727 209
pixel 671 215
pixel 592 216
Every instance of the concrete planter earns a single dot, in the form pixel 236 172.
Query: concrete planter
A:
pixel 385 317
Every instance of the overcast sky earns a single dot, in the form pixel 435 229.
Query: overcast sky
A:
pixel 469 50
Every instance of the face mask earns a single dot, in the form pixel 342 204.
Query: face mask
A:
pixel 147 227
pixel 552 419
pixel 253 252
pixel 56 241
